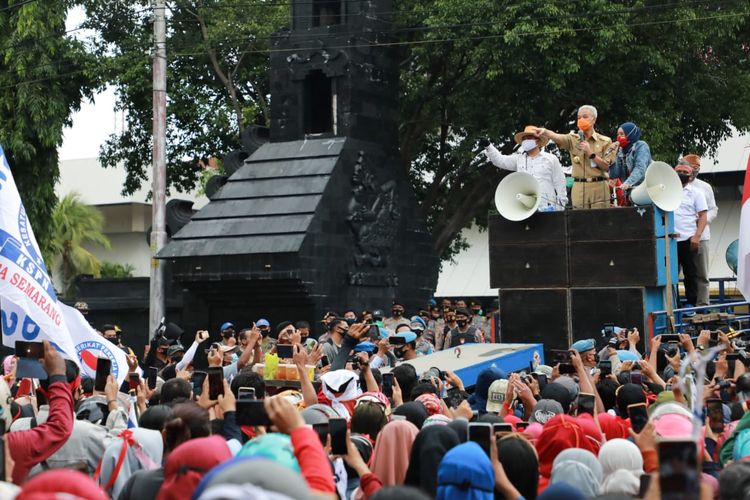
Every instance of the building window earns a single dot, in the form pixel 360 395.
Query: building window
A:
pixel 319 103
pixel 326 12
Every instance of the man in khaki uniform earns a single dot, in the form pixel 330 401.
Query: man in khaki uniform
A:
pixel 591 159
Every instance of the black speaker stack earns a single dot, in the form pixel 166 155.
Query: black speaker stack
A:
pixel 562 275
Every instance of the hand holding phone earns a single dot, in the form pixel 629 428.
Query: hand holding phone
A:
pixel 388 384
pixel 585 404
pixel 481 433
pixel 215 382
pixel 638 416
pixel 103 369
pixel 337 429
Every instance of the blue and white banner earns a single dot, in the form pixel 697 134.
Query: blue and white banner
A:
pixel 29 308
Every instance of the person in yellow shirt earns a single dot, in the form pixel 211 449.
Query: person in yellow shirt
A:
pixel 591 154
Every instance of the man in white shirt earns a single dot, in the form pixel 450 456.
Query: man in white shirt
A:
pixel 708 191
pixel 690 220
pixel 545 167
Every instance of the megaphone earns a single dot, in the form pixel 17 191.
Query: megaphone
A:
pixel 517 196
pixel 662 187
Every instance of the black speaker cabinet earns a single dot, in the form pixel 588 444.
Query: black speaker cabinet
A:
pixel 591 308
pixel 528 254
pixel 535 315
pixel 612 247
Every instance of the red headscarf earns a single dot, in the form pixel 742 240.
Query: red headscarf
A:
pixel 591 430
pixel 59 481
pixel 188 463
pixel 560 433
pixel 613 426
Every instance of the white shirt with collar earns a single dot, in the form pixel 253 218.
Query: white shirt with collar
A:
pixel 686 215
pixel 546 169
pixel 713 210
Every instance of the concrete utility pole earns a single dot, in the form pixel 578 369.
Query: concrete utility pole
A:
pixel 159 174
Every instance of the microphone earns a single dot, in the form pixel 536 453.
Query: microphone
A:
pixel 581 135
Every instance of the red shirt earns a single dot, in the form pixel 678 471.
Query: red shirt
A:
pixel 313 461
pixel 28 448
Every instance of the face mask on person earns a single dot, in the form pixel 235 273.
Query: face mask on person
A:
pixel 350 321
pixel 176 359
pixel 227 334
pixel 461 323
pixel 623 141
pixel 684 178
pixel 584 124
pixel 398 352
pixel 397 313
pixel 528 144
pixel 264 333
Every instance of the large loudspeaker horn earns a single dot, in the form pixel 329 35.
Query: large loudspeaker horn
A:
pixel 662 187
pixel 517 196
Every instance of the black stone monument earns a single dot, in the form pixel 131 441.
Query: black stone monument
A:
pixel 322 216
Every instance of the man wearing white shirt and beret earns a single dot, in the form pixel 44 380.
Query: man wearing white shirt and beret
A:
pixel 543 166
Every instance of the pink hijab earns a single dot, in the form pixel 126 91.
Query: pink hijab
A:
pixel 390 458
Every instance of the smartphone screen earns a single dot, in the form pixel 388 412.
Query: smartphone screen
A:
pixel 501 428
pixel 481 433
pixel 638 416
pixel 605 367
pixel 715 415
pixel 252 413
pixel 560 356
pixel 521 426
pixel 324 361
pixel 678 470
pixel 215 383
pixel 585 403
pixel 321 430
pixel 397 340
pixel 285 351
pixel 388 384
pixel 714 338
pixel 134 380
pixel 670 338
pixel 337 429
pixel 103 368
pixel 542 380
pixel 246 393
pixel 635 377
pixel 31 350
pixel 198 378
pixel 645 484
pixel 566 369
pixel 151 377
pixel 374 332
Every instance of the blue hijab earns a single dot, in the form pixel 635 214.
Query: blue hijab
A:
pixel 632 132
pixel 465 473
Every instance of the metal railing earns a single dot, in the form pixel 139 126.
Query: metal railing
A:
pixel 657 320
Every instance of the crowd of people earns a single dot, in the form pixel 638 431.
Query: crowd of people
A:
pixel 603 175
pixel 604 419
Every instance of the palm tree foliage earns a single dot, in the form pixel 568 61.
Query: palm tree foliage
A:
pixel 74 224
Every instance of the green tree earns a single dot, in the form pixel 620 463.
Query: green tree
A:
pixel 44 74
pixel 469 68
pixel 74 224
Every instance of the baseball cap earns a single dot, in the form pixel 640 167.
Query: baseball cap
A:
pixel 226 326
pixel 496 395
pixel 175 348
pixel 417 323
pixel 545 370
pixel 544 410
pixel 408 336
pixel 262 322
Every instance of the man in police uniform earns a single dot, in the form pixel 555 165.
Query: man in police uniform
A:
pixel 591 154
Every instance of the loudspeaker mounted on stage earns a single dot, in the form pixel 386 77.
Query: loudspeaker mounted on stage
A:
pixel 517 196
pixel 661 187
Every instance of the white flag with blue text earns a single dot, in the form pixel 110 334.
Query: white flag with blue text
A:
pixel 29 308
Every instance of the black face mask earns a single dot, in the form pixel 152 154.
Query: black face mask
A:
pixel 350 321
pixel 461 323
pixel 264 333
pixel 397 313
pixel 176 359
pixel 684 178
pixel 399 352
pixel 227 335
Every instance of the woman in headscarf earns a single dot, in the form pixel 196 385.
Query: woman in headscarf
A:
pixel 465 473
pixel 633 158
pixel 142 450
pixel 414 412
pixel 61 483
pixel 521 464
pixel 560 433
pixel 188 463
pixel 622 467
pixel 390 458
pixel 461 427
pixel 430 446
pixel 579 468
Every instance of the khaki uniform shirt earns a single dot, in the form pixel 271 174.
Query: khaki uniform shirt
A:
pixel 589 194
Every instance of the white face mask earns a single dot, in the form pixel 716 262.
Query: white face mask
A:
pixel 528 144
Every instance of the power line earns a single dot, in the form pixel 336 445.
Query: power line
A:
pixel 19 4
